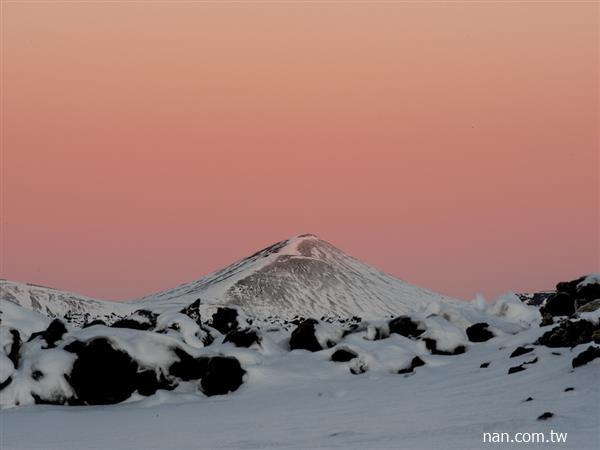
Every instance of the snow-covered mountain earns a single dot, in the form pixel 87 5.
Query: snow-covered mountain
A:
pixel 53 302
pixel 302 276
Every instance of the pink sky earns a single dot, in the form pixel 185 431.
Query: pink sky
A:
pixel 452 145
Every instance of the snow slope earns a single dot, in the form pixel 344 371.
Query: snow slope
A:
pixel 302 276
pixel 302 400
pixel 53 302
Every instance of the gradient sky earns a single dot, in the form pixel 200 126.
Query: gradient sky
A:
pixel 452 145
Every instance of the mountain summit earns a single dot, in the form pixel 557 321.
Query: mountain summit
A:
pixel 303 276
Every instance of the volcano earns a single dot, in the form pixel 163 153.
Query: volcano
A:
pixel 301 276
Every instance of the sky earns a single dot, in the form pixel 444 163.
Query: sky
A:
pixel 453 145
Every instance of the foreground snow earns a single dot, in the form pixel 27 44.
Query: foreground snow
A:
pixel 301 401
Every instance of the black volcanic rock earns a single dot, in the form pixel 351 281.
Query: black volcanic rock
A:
pixel 520 351
pixel 132 324
pixel 586 356
pixel 188 368
pixel 140 320
pixel 559 304
pixel 303 337
pixel 569 334
pixel 243 338
pixel 569 287
pixel 102 374
pixel 94 322
pixel 535 299
pixel 588 293
pixel 343 355
pixel 516 369
pixel 223 375
pixel 547 415
pixel 15 347
pixel 225 320
pixel 404 326
pixel 479 332
pixel 52 334
pixel 431 345
pixel 148 382
pixel 193 312
pixel 416 362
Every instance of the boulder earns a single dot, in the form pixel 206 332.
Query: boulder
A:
pixel 15 347
pixel 404 326
pixel 343 355
pixel 547 320
pixel 377 332
pixel 94 322
pixel 569 287
pixel 225 320
pixel 588 292
pixel 303 337
pixel 590 306
pixel 559 304
pixel 188 368
pixel 102 374
pixel 520 351
pixel 516 369
pixel 416 362
pixel 149 381
pixel 223 375
pixel 586 356
pixel 193 312
pixel 569 334
pixel 243 338
pixel 52 334
pixel 431 345
pixel 479 332
pixel 140 320
pixel 547 415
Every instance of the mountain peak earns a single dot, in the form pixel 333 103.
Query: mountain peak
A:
pixel 303 275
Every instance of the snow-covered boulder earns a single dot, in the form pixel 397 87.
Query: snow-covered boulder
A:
pixel 479 332
pixel 443 338
pixel 243 338
pixel 314 336
pixel 225 320
pixel 405 326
